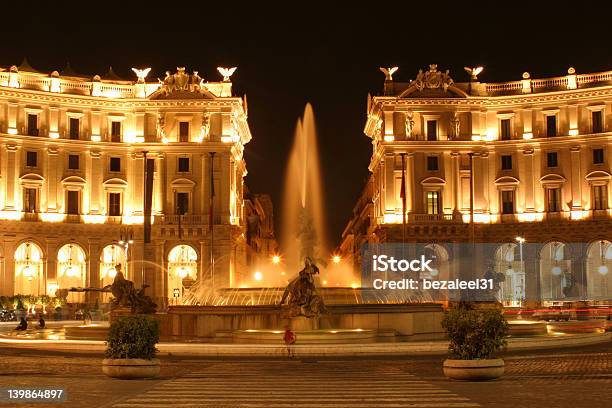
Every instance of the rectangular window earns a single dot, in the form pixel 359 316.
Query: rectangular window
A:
pixel 114 204
pixel 32 124
pixel 432 130
pixel 31 159
pixel 506 162
pixel 553 199
pixel 598 156
pixel 507 199
pixel 74 128
pixel 182 203
pixel 183 164
pixel 600 198
pixel 29 200
pixel 73 161
pixel 551 125
pixel 116 131
pixel 433 202
pixel 72 202
pixel 505 129
pixel 551 159
pixel 432 163
pixel 115 164
pixel 597 121
pixel 183 131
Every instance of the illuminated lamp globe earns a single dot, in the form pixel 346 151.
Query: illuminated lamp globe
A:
pixel 69 271
pixel 602 269
pixel 434 272
pixel 28 272
pixel 111 273
pixel 182 272
pixel 276 259
pixel 556 270
pixel 336 259
pixel 258 276
pixel 509 271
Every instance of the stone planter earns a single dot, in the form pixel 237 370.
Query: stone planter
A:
pixel 128 368
pixel 474 370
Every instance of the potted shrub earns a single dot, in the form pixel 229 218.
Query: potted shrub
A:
pixel 475 337
pixel 130 351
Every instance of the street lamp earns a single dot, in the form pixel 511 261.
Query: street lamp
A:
pixel 126 239
pixel 521 241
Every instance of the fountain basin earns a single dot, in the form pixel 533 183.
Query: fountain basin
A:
pixel 321 336
pixel 409 321
pixel 98 331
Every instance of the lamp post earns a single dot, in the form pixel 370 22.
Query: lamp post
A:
pixel 521 240
pixel 126 239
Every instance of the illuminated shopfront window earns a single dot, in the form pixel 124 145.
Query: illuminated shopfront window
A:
pixel 598 268
pixel 182 271
pixel 29 278
pixel 112 255
pixel 557 281
pixel 71 270
pixel 509 263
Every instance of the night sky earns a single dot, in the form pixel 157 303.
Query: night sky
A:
pixel 294 53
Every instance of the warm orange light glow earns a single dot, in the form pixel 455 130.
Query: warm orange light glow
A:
pixel 258 276
pixel 12 131
pixel 336 259
pixel 276 259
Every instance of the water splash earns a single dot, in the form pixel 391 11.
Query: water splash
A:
pixel 304 232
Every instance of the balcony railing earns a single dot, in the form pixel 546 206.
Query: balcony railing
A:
pixel 417 218
pixel 186 219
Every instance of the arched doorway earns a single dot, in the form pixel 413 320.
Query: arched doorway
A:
pixel 71 270
pixel 112 255
pixel 439 264
pixel 509 263
pixel 182 271
pixel 29 278
pixel 556 278
pixel 598 270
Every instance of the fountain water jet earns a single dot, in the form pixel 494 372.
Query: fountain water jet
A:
pixel 304 232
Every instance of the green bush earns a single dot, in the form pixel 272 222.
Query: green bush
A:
pixel 133 337
pixel 475 334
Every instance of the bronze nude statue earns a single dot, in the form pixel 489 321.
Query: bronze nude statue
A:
pixel 301 297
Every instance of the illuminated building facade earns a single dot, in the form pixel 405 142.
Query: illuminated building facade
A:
pixel 530 159
pixel 72 180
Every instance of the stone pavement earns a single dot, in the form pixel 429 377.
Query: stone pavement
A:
pixel 575 378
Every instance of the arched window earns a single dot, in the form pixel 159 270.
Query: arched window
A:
pixel 182 271
pixel 509 263
pixel 598 268
pixel 71 270
pixel 29 278
pixel 111 256
pixel 556 278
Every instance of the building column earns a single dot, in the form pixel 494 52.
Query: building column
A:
pixel 93 278
pixel 388 185
pixel 10 202
pixel 575 164
pixel 529 177
pixel 7 285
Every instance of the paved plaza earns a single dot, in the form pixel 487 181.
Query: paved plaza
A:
pixel 556 378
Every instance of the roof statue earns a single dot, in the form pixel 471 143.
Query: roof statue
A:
pixel 389 72
pixel 141 74
pixel 433 79
pixel 191 86
pixel 226 72
pixel 473 72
